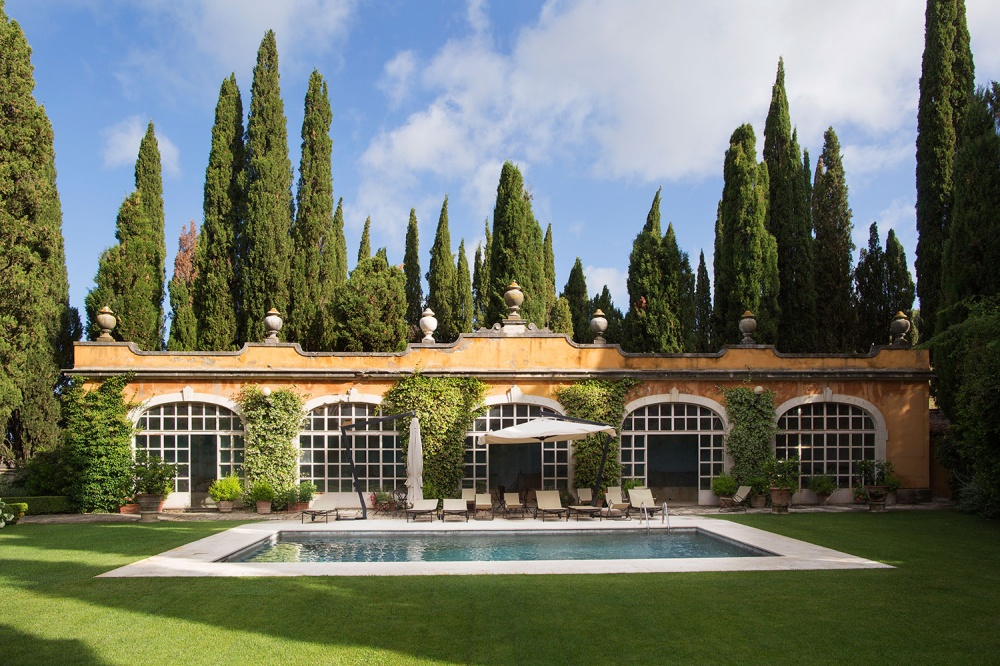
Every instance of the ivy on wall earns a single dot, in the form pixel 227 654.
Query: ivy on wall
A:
pixel 602 401
pixel 271 425
pixel 752 429
pixel 446 408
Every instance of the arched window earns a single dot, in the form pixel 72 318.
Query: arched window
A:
pixel 828 437
pixel 323 457
pixel 514 466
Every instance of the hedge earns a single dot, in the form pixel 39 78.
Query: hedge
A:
pixel 43 504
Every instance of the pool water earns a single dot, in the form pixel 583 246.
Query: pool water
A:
pixel 472 546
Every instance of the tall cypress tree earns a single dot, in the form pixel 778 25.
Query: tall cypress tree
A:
pixel 789 221
pixel 704 337
pixel 217 285
pixel 441 280
pixel 604 303
pixel 575 293
pixel 183 325
pixel 746 274
pixel 149 185
pixel 946 82
pixel 339 274
pixel 37 324
pixel 834 248
pixel 267 246
pixel 678 292
pixel 550 271
pixel 871 285
pixel 314 256
pixel 461 308
pixel 365 247
pixel 477 282
pixel 411 267
pixel 900 289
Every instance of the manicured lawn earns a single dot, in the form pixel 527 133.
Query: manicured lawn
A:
pixel 938 606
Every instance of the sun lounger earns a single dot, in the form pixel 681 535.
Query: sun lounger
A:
pixel 422 507
pixel 584 495
pixel 512 504
pixel 455 507
pixel 549 503
pixel 484 502
pixel 324 506
pixel 737 502
pixel 469 495
pixel 640 498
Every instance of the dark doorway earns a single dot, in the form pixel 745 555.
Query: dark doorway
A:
pixel 516 466
pixel 204 466
pixel 672 471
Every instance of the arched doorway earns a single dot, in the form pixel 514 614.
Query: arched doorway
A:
pixel 534 466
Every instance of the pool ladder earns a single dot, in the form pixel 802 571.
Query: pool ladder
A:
pixel 664 517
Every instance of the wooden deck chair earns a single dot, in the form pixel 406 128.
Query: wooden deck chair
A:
pixel 643 497
pixel 737 502
pixel 484 502
pixel 615 505
pixel 512 504
pixel 422 507
pixel 455 507
pixel 549 503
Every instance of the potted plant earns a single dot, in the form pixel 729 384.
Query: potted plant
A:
pixel 724 486
pixel 758 491
pixel 783 476
pixel 262 494
pixel 305 494
pixel 153 479
pixel 823 485
pixel 876 478
pixel 225 492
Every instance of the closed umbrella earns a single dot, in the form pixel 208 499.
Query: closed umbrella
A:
pixel 414 464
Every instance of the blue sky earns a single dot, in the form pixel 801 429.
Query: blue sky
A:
pixel 599 103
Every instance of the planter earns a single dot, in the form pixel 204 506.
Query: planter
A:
pixel 300 506
pixel 150 504
pixel 822 498
pixel 757 501
pixel 130 508
pixel 876 498
pixel 780 499
pixel 225 506
pixel 263 506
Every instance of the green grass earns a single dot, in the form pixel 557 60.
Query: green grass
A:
pixel 938 606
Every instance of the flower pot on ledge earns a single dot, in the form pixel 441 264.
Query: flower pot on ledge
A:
pixel 780 500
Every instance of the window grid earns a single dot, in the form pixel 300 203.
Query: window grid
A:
pixel 555 455
pixel 828 437
pixel 165 431
pixel 323 458
pixel 673 418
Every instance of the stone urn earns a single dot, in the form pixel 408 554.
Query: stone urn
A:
pixel 781 499
pixel 748 324
pixel 598 325
pixel 106 320
pixel 150 505
pixel 272 324
pixel 513 298
pixel 428 324
pixel 876 498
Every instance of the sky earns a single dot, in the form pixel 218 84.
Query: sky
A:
pixel 599 103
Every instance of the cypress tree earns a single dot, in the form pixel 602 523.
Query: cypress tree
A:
pixel 678 292
pixel 183 325
pixel 365 248
pixel 575 293
pixel 477 282
pixel 946 81
pixel 871 285
pixel 314 256
pixel 461 308
pixel 603 302
pixel 441 280
pixel 561 317
pixel 834 248
pixel 900 289
pixel 339 274
pixel 411 267
pixel 217 285
pixel 789 221
pixel 266 247
pixel 704 338
pixel 746 275
pixel 149 185
pixel 370 308
pixel 37 325
pixel 550 271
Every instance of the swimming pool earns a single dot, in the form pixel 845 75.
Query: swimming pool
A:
pixel 490 546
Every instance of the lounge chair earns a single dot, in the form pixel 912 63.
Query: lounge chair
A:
pixel 616 506
pixel 640 498
pixel 584 495
pixel 422 507
pixel 737 502
pixel 324 506
pixel 469 495
pixel 549 503
pixel 455 507
pixel 484 502
pixel 512 504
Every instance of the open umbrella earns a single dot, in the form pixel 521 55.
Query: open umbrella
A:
pixel 415 464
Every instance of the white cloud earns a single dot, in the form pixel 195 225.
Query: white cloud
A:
pixel 397 76
pixel 478 16
pixel 614 278
pixel 121 146
pixel 864 159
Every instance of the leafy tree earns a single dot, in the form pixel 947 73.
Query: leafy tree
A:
pixel 871 282
pixel 946 82
pixel 561 317
pixel 704 333
pixel 834 248
pixel 217 285
pixel 365 248
pixel 149 185
pixel 550 271
pixel 183 325
pixel 266 247
pixel 441 280
pixel 37 325
pixel 461 308
pixel 411 267
pixel 603 302
pixel 369 310
pixel 575 293
pixel 315 257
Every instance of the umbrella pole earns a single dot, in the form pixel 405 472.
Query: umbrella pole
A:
pixel 350 453
pixel 600 470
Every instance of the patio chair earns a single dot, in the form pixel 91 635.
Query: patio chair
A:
pixel 422 507
pixel 484 502
pixel 323 506
pixel 616 506
pixel 643 497
pixel 455 507
pixel 549 503
pixel 737 502
pixel 512 504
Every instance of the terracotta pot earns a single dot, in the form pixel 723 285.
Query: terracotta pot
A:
pixel 225 506
pixel 300 506
pixel 130 508
pixel 780 499
pixel 757 501
pixel 263 506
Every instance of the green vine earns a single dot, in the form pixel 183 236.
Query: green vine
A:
pixel 446 408
pixel 751 432
pixel 271 425
pixel 602 401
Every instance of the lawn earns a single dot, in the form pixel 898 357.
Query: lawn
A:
pixel 938 606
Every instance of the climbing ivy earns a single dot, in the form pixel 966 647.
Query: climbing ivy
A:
pixel 602 401
pixel 751 431
pixel 446 408
pixel 271 424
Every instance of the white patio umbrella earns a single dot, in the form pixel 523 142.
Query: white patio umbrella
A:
pixel 415 464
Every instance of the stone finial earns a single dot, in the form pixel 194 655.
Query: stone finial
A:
pixel 428 324
pixel 899 327
pixel 272 324
pixel 748 324
pixel 599 324
pixel 513 297
pixel 106 320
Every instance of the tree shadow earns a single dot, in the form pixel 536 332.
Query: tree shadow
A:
pixel 21 648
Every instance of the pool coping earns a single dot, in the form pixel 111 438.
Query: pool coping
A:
pixel 201 558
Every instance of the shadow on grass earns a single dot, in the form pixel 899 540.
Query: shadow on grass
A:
pixel 20 648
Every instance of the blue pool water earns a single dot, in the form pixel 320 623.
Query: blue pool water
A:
pixel 489 546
